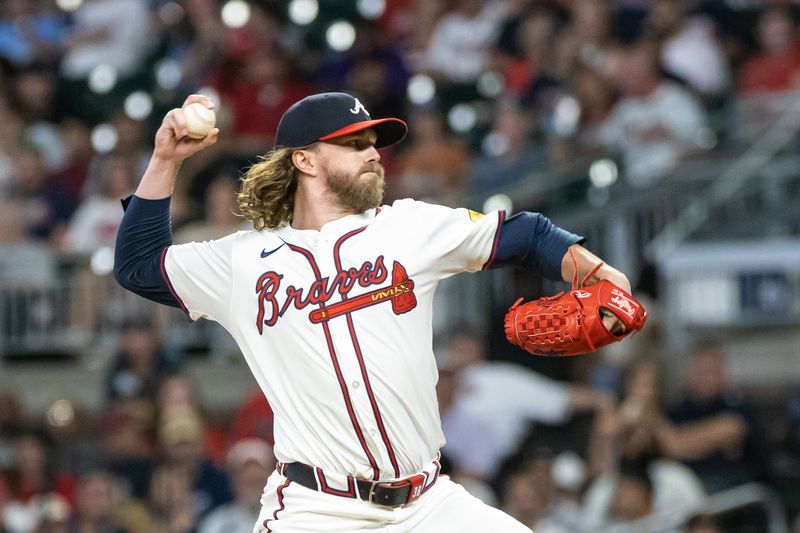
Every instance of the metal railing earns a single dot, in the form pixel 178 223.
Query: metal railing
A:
pixel 72 314
pixel 732 180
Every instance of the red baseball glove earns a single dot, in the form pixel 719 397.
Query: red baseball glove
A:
pixel 571 323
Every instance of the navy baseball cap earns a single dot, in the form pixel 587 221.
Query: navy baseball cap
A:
pixel 323 116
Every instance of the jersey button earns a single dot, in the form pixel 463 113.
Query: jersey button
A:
pixel 373 432
pixel 356 384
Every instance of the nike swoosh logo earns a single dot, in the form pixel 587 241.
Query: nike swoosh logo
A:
pixel 265 253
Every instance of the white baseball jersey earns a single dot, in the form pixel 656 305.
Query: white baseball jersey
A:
pixel 336 326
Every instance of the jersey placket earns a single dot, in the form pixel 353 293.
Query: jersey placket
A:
pixel 379 432
pixel 342 356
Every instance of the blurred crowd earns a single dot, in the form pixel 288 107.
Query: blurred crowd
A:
pixel 614 446
pixel 498 94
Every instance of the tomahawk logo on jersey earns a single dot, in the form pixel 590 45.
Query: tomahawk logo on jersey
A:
pixel 343 314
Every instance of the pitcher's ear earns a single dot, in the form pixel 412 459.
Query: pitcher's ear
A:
pixel 306 161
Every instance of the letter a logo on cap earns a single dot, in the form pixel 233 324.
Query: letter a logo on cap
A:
pixel 358 106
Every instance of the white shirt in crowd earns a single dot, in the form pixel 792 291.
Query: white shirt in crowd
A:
pixel 648 160
pixel 695 55
pixel 127 37
pixel 504 397
pixel 676 490
pixel 94 225
pixel 459 46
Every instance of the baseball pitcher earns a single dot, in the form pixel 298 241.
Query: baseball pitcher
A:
pixel 329 298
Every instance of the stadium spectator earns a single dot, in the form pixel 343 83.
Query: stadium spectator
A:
pixel 98 503
pixel 776 66
pixel 180 438
pixel 690 48
pixel 253 418
pixel 97 38
pixel 591 26
pixel 30 32
pixel 628 435
pixel 655 123
pixel 139 365
pixel 257 81
pixel 249 463
pixel 180 391
pixel 95 223
pixel 529 495
pixel 373 69
pixel 569 474
pixel 434 164
pixel 633 498
pixel 48 207
pixel 33 98
pixel 510 154
pixel 628 430
pixel 715 430
pixel 24 263
pixel 198 57
pixel 221 214
pixel 548 57
pixel 71 177
pixel 31 482
pixel 533 35
pixel 527 396
pixel 125 447
pixel 468 449
pixel 54 515
pixel 576 137
pixel 460 44
pixel 168 506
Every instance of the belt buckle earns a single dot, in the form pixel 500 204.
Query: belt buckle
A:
pixel 372 492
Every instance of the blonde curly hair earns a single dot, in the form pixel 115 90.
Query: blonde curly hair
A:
pixel 267 194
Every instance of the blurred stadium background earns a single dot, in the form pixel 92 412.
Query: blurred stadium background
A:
pixel 666 131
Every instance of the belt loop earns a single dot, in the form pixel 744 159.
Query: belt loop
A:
pixel 355 485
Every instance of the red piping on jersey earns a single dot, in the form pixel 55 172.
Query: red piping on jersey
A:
pixel 281 505
pixel 169 283
pixel 323 485
pixel 501 217
pixel 336 367
pixel 378 419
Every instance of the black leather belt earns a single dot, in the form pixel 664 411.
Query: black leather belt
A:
pixel 390 493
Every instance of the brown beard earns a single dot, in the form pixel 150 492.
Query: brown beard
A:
pixel 353 194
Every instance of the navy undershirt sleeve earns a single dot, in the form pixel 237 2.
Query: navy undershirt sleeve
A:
pixel 145 231
pixel 530 241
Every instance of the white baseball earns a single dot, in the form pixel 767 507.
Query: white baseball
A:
pixel 199 120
